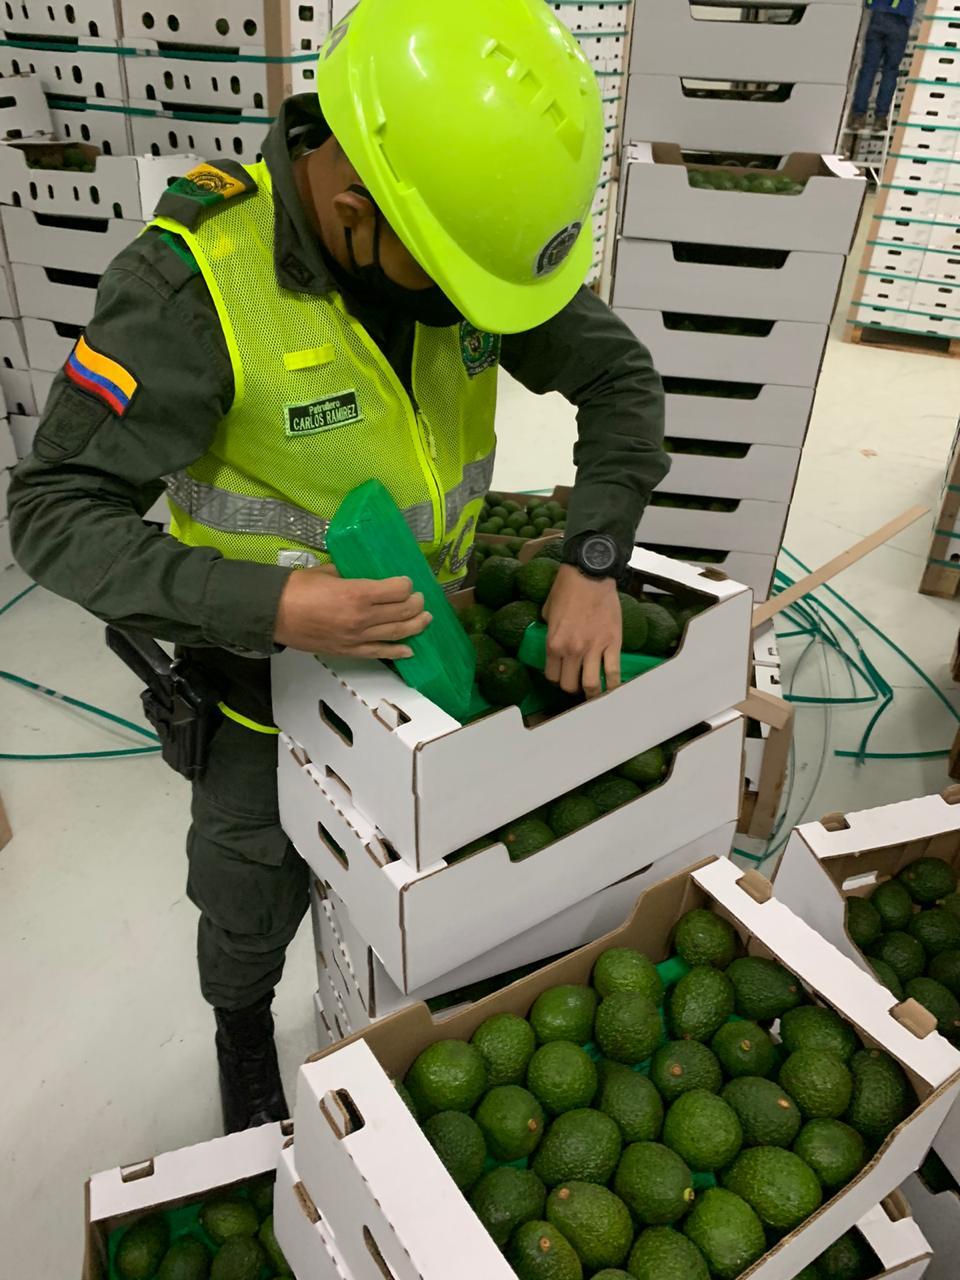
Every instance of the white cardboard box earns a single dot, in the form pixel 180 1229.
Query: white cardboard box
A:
pixel 423 925
pixel 45 296
pixel 23 108
pixel 789 355
pixel 49 342
pixel 929 140
pixel 101 123
pixel 153 76
pixel 325 1037
pixel 13 354
pixel 42 381
pixel 767 472
pixel 754 526
pixel 774 415
pixel 817 49
pixel 648 274
pixel 660 204
pixel 302 1233
pixel 93 70
pixel 185 1175
pixel 37 239
pixel 403 760
pixel 18 392
pixel 887 317
pixel 6 551
pixel 23 430
pixel 897 1239
pixel 808 120
pixel 247 24
pixel 349 1156
pixel 752 568
pixel 9 306
pixel 580 924
pixel 165 133
pixel 120 186
pixel 938 1217
pixel 940 265
pixel 50 18
pixel 8 452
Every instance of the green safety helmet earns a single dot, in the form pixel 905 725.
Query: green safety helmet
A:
pixel 477 126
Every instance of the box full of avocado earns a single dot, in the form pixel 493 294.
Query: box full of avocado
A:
pixel 934 1196
pixel 887 1241
pixel 729 469
pixel 736 524
pixel 351 967
pixel 409 767
pixel 308 1244
pixel 510 520
pixel 425 924
pixel 660 202
pixel 201 1213
pixel 689 1092
pixel 881 885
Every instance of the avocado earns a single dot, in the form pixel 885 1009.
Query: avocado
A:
pixel 864 922
pixel 505 682
pixel 887 976
pixel 562 1077
pixel 525 837
pixel 700 1004
pixel 849 1258
pixel 450 1075
pixel 936 930
pixel 881 1095
pixel 819 1083
pixel 704 938
pixel 538 1251
pixel 505 1198
pixel 511 1121
pixel 517 520
pixel 487 651
pixel 459 1142
pixel 570 813
pixel 682 1065
pixel 945 968
pixel 186 1259
pixel 610 792
pixel 628 1026
pixel 744 1049
pixel 951 903
pixel 935 1175
pixel 240 1258
pixel 142 1247
pixel 260 1192
pixel 495 582
pixel 767 1115
pixel 778 1186
pixel 406 1098
pixel 835 1152
pixel 509 624
pixel 553 550
pixel 902 952
pixel 580 1146
pixel 535 580
pixel 635 625
pixel 893 903
pixel 661 1253
pixel 626 969
pixel 632 1102
pixel 726 1231
pixel 663 632
pixel 654 1184
pixel 703 1130
pixel 564 1013
pixel 816 1027
pixel 474 619
pixel 648 769
pixel 268 1239
pixel 222 1219
pixel 506 1043
pixel 928 880
pixel 764 989
pixel 595 1221
pixel 935 997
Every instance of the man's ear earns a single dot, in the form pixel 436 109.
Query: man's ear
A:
pixel 352 209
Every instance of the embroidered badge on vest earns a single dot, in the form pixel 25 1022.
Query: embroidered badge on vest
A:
pixel 481 351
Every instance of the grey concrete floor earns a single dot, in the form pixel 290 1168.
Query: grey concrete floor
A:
pixel 105 1048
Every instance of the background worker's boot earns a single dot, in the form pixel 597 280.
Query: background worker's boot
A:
pixel 250 1085
pixel 856 121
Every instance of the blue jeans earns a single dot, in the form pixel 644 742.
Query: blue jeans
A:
pixel 884 45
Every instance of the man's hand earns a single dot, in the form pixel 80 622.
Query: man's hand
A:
pixel 320 612
pixel 585 632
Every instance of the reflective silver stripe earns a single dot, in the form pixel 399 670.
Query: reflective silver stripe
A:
pixel 476 482
pixel 235 513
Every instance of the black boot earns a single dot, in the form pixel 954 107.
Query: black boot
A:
pixel 250 1085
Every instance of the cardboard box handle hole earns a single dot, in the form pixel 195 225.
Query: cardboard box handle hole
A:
pixel 327 839
pixel 336 723
pixel 374 1250
pixel 834 822
pixel 137 1172
pixel 911 1015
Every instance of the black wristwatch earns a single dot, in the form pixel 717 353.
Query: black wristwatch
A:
pixel 596 555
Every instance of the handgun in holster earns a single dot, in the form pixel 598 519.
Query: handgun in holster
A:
pixel 178 701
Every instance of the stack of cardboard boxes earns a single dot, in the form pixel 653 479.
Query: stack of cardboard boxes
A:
pixel 941 575
pixel 909 288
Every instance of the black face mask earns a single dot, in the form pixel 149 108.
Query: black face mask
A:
pixel 430 307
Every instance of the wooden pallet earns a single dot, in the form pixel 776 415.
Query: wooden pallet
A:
pixel 899 340
pixel 940 579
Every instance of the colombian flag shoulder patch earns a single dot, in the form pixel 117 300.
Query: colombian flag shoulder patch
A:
pixel 101 377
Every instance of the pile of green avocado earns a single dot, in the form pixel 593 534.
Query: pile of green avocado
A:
pixel 667 1122
pixel 69 158
pixel 228 1237
pixel 909 929
pixel 692 503
pixel 510 519
pixel 761 184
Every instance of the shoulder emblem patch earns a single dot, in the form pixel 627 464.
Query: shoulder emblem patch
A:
pixel 214 182
pixel 480 351
pixel 101 377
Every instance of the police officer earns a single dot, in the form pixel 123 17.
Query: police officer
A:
pixel 284 332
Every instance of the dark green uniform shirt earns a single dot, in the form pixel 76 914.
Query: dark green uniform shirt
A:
pixel 76 504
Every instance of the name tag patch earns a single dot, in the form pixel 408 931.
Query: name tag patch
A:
pixel 328 414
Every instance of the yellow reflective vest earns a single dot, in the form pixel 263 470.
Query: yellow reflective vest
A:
pixel 318 410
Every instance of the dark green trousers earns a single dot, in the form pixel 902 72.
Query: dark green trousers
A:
pixel 247 880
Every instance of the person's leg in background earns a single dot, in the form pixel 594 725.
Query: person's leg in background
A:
pixel 896 32
pixel 252 890
pixel 872 54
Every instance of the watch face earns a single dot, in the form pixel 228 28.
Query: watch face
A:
pixel 599 555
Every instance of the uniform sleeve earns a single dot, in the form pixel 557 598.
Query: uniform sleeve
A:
pixel 98 464
pixel 590 356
